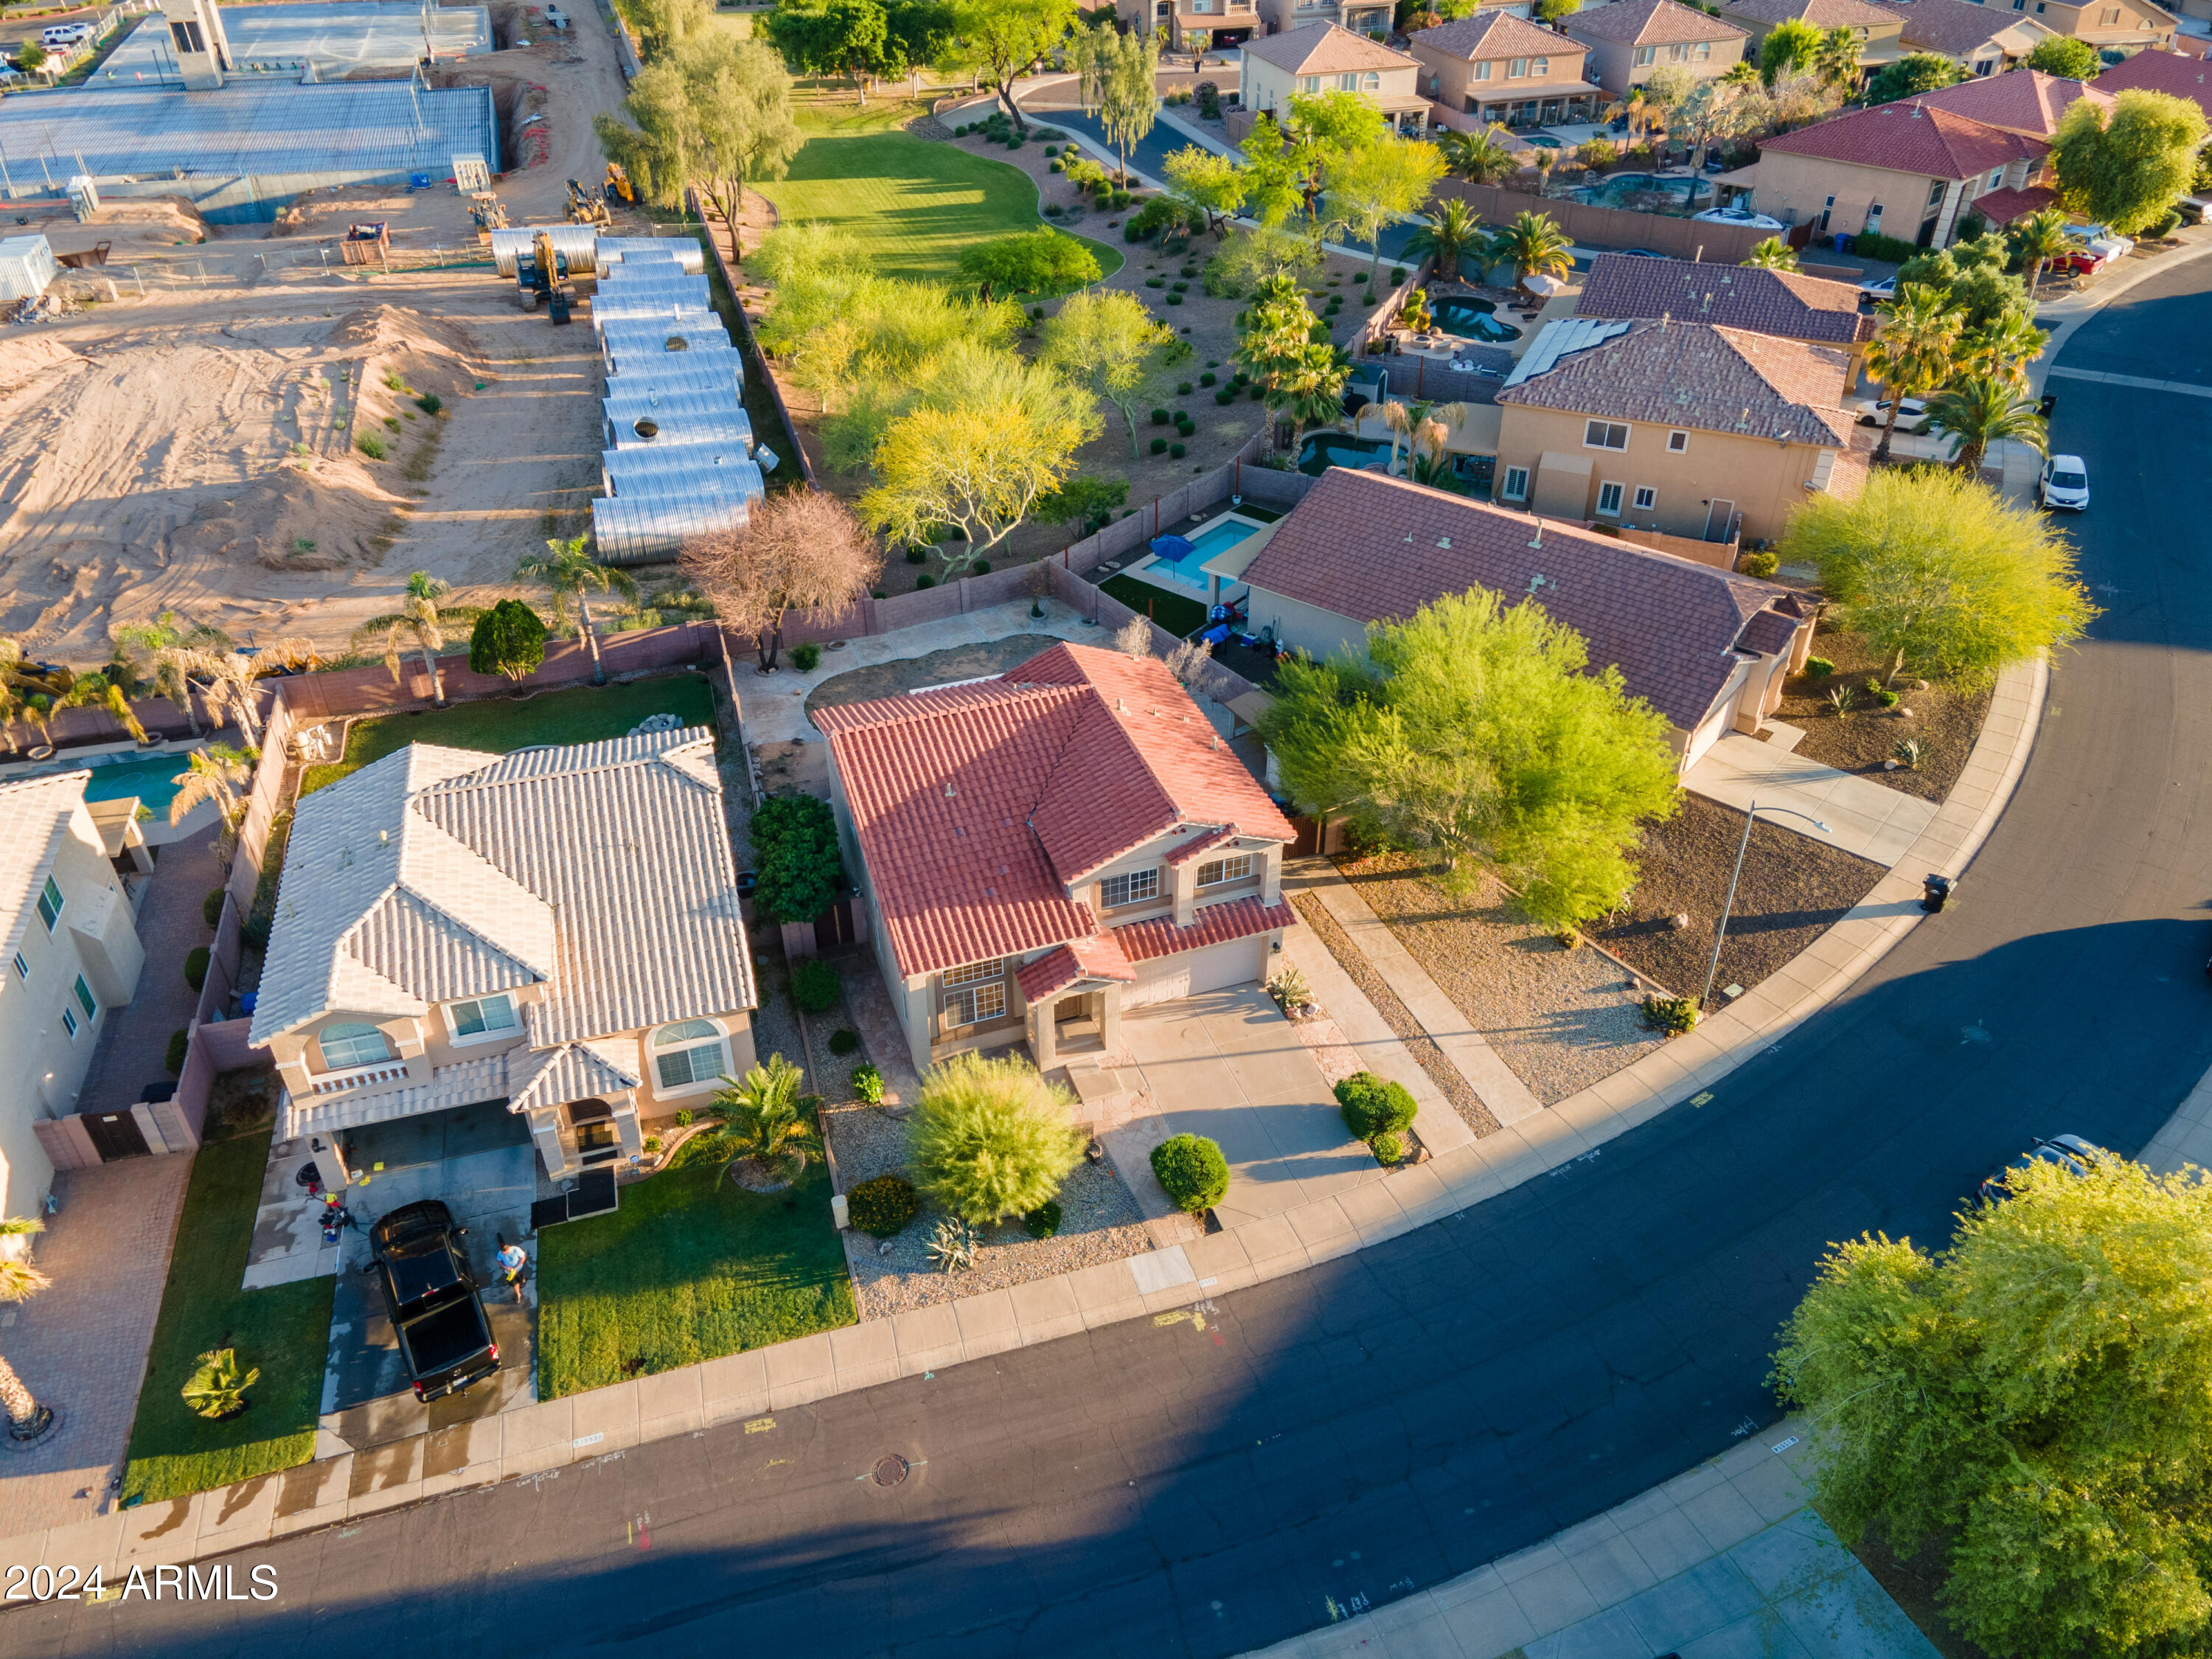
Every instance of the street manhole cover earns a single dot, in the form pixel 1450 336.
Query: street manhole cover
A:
pixel 890 1470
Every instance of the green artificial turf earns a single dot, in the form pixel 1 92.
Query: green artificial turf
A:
pixel 588 713
pixel 690 1268
pixel 1179 615
pixel 914 204
pixel 283 1330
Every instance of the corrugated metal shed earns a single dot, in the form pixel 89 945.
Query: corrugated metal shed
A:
pixel 634 347
pixel 650 460
pixel 651 529
pixel 337 39
pixel 709 426
pixel 678 371
pixel 624 401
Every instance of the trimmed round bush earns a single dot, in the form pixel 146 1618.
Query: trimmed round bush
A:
pixel 805 657
pixel 981 566
pixel 1161 418
pixel 883 1206
pixel 816 986
pixel 917 555
pixel 1155 282
pixel 1043 1221
pixel 920 582
pixel 1175 299
pixel 1388 1149
pixel 1226 395
pixel 1374 1106
pixel 1397 277
pixel 1760 564
pixel 1056 168
pixel 1159 446
pixel 1052 149
pixel 1208 378
pixel 1818 668
pixel 1183 287
pixel 1184 389
pixel 1051 209
pixel 1191 1169
pixel 1256 393
pixel 196 966
pixel 684 1119
pixel 1175 451
pixel 180 1045
pixel 991 1138
pixel 212 907
pixel 843 1040
pixel 1359 276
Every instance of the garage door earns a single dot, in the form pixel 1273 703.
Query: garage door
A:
pixel 1163 979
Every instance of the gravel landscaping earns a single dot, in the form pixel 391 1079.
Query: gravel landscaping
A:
pixel 1945 721
pixel 1561 1020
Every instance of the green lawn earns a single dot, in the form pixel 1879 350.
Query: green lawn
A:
pixel 285 1330
pixel 914 204
pixel 589 713
pixel 1179 615
pixel 690 1268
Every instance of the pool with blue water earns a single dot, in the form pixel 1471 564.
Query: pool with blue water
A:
pixel 1188 570
pixel 1472 319
pixel 151 778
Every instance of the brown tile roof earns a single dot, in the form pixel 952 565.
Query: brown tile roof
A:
pixel 1324 49
pixel 1693 374
pixel 1769 632
pixel 1494 34
pixel 2021 100
pixel 1377 549
pixel 1795 306
pixel 1213 923
pixel 1907 137
pixel 1821 14
pixel 1649 23
pixel 2160 71
pixel 2002 207
pixel 1085 958
pixel 978 806
pixel 1956 27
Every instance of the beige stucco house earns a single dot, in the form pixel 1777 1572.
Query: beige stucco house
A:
pixel 1629 38
pixel 1324 58
pixel 1368 17
pixel 2127 25
pixel 1043 849
pixel 1224 22
pixel 558 928
pixel 68 962
pixel 1981 40
pixel 1876 27
pixel 1788 304
pixel 1496 69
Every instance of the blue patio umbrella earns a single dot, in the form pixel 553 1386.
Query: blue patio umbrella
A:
pixel 1174 550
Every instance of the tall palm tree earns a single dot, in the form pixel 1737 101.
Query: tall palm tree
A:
pixel 1533 245
pixel 1835 61
pixel 11 710
pixel 234 679
pixel 1309 389
pixel 765 1125
pixel 421 617
pixel 171 674
pixel 1398 421
pixel 1741 76
pixel 1977 410
pixel 1772 254
pixel 2040 239
pixel 1451 232
pixel 96 690
pixel 1479 157
pixel 568 573
pixel 1434 431
pixel 1913 350
pixel 216 773
pixel 2004 346
pixel 27 1420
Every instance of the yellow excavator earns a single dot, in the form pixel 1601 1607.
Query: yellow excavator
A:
pixel 618 184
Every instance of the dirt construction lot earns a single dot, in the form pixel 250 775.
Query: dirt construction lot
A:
pixel 194 449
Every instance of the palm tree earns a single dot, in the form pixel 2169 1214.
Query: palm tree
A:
pixel 1451 232
pixel 2040 239
pixel 96 690
pixel 1741 74
pixel 1482 157
pixel 1397 420
pixel 171 674
pixel 27 1420
pixel 11 710
pixel 38 714
pixel 1533 245
pixel 234 679
pixel 1836 61
pixel 1429 461
pixel 1913 350
pixel 1980 409
pixel 765 1126
pixel 1772 254
pixel 2004 346
pixel 216 773
pixel 567 571
pixel 422 617
pixel 1309 389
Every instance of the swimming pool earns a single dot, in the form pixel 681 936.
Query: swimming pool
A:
pixel 1323 450
pixel 152 778
pixel 1472 319
pixel 1647 191
pixel 1186 569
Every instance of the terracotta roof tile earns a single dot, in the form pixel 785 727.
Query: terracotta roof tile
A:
pixel 1821 14
pixel 2021 100
pixel 1214 924
pixel 1491 33
pixel 1324 49
pixel 2169 72
pixel 1649 23
pixel 2002 207
pixel 1769 632
pixel 1206 843
pixel 1781 302
pixel 1085 958
pixel 1907 137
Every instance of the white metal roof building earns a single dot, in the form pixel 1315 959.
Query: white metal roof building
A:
pixel 706 466
pixel 337 39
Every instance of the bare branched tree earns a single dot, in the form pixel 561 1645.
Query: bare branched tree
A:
pixel 1183 659
pixel 801 550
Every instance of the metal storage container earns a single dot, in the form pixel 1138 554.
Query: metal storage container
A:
pixel 688 253
pixel 669 308
pixel 647 267
pixel 677 294
pixel 572 242
pixel 26 265
pixel 718 469
pixel 651 529
pixel 625 398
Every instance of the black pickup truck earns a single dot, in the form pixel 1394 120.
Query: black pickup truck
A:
pixel 444 1336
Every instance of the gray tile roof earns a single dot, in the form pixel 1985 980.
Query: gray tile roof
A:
pixel 574 1070
pixel 35 820
pixel 465 1084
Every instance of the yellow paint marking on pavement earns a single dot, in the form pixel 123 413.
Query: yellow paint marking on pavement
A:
pixel 759 1425
pixel 1196 1318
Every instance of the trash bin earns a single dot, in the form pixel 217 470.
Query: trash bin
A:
pixel 1843 241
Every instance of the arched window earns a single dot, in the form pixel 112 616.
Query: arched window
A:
pixel 353 1045
pixel 688 1053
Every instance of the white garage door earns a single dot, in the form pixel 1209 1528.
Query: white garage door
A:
pixel 1163 979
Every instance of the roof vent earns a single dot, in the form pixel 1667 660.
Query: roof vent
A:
pixel 1443 541
pixel 384 838
pixel 1535 582
pixel 949 791
pixel 1537 540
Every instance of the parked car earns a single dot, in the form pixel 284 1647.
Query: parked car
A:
pixel 2064 484
pixel 1738 216
pixel 63 34
pixel 1638 253
pixel 2103 240
pixel 1914 418
pixel 431 1295
pixel 1874 293
pixel 2071 1152
pixel 2077 261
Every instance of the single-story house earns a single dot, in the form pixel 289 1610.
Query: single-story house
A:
pixel 1786 304
pixel 1876 27
pixel 1316 58
pixel 1629 38
pixel 1494 69
pixel 1705 646
pixel 1040 850
pixel 2162 71
pixel 557 928
pixel 1980 39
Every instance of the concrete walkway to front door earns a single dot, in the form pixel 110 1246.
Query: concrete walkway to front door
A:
pixel 1862 817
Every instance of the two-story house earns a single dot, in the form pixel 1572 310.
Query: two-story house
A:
pixel 1366 17
pixel 1629 38
pixel 2029 103
pixel 1323 58
pixel 2174 73
pixel 1877 26
pixel 557 928
pixel 1681 427
pixel 1980 39
pixel 1786 304
pixel 1040 850
pixel 2111 26
pixel 1495 69
pixel 70 960
pixel 1223 22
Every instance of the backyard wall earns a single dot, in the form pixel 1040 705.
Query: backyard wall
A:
pixel 1683 239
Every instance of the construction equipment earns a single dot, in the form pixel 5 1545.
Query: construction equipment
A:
pixel 618 184
pixel 559 304
pixel 368 245
pixel 585 208
pixel 540 272
pixel 484 207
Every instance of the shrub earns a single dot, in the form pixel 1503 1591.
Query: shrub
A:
pixel 1175 451
pixel 1159 446
pixel 920 582
pixel 1207 379
pixel 1155 282
pixel 1818 668
pixel 1052 149
pixel 816 986
pixel 1013 141
pixel 1879 694
pixel 991 1138
pixel 1192 1171
pixel 2166 226
pixel 883 1206
pixel 1183 389
pixel 1890 249
pixel 1673 1015
pixel 510 638
pixel 805 656
pixel 1358 277
pixel 370 445
pixel 255 932
pixel 1760 564
pixel 1121 198
pixel 180 1043
pixel 1388 1149
pixel 1374 1106
pixel 1227 395
pixel 868 1084
pixel 1183 287
pixel 683 1118
pixel 1052 209
pixel 1043 1221
pixel 1161 418
pixel 795 840
pixel 917 555
pixel 1398 276
pixel 1053 166
pixel 844 1041
pixel 212 907
pixel 430 403
pixel 981 567
pixel 1175 299
pixel 196 966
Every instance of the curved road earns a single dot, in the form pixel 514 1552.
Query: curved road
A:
pixel 1416 1409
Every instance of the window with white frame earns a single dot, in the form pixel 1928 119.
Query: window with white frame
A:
pixel 1517 69
pixel 1996 178
pixel 84 999
pixel 1133 887
pixel 1677 442
pixel 1935 193
pixel 1647 498
pixel 1676 54
pixel 69 1024
pixel 689 1054
pixel 1371 82
pixel 1482 72
pixel 1705 51
pixel 1308 83
pixel 1609 501
pixel 975 992
pixel 23 968
pixel 1605 435
pixel 1217 873
pixel 1540 66
pixel 485 1017
pixel 1644 55
pixel 1516 484
pixel 353 1045
pixel 50 904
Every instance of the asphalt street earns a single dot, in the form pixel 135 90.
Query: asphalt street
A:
pixel 1408 1412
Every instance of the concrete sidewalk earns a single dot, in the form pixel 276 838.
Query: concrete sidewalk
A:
pixel 1862 817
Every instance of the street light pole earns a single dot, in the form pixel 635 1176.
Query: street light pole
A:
pixel 1720 934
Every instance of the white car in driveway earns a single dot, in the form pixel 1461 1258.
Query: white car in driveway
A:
pixel 1912 419
pixel 1875 292
pixel 2106 242
pixel 2064 484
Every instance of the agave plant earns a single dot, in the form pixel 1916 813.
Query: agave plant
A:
pixel 217 1390
pixel 1908 753
pixel 952 1246
pixel 1843 700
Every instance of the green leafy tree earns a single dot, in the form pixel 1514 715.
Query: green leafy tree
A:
pixel 1001 39
pixel 1250 257
pixel 1081 502
pixel 919 34
pixel 980 470
pixel 1533 245
pixel 990 1138
pixel 1481 158
pixel 1204 182
pixel 1321 128
pixel 1915 72
pixel 661 25
pixel 1118 77
pixel 1552 11
pixel 1110 345
pixel 1977 410
pixel 2128 170
pixel 1372 187
pixel 1913 350
pixel 2036 1402
pixel 1041 261
pixel 851 37
pixel 508 639
pixel 800 872
pixel 570 575
pixel 2066 55
pixel 1940 572
pixel 1453 233
pixel 1772 254
pixel 1273 180
pixel 1973 278
pixel 1789 46
pixel 30 56
pixel 1480 734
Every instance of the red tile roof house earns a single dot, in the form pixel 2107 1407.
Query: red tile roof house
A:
pixel 2172 72
pixel 1786 304
pixel 1707 648
pixel 2022 100
pixel 1041 850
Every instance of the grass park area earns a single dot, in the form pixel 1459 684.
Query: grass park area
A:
pixel 283 1330
pixel 586 713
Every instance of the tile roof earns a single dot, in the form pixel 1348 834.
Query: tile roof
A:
pixel 1649 23
pixel 1781 302
pixel 1957 27
pixel 1821 14
pixel 2021 100
pixel 1375 549
pixel 1694 375
pixel 1907 137
pixel 1202 845
pixel 1492 33
pixel 2002 207
pixel 1212 924
pixel 574 1070
pixel 34 821
pixel 1769 632
pixel 2168 72
pixel 465 1084
pixel 1324 49
pixel 602 871
pixel 1084 958
pixel 978 806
